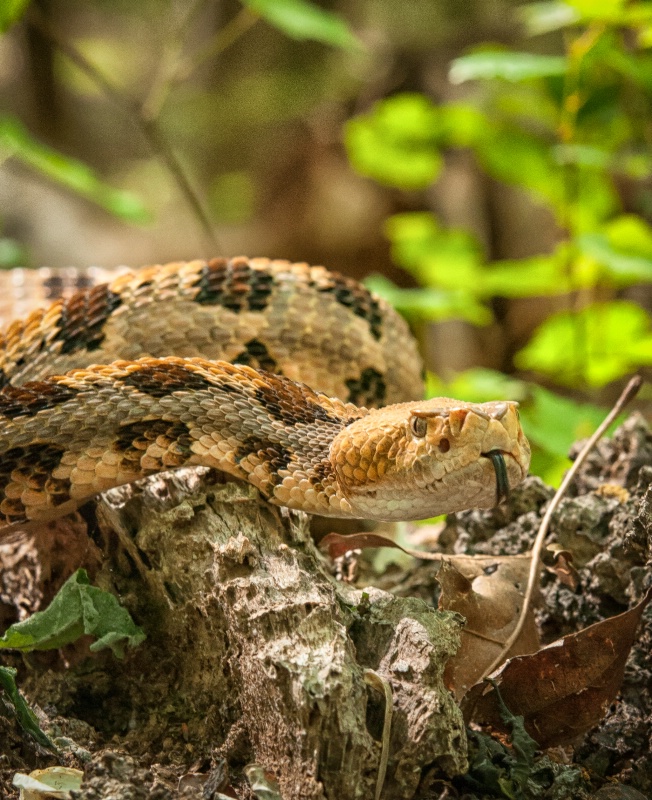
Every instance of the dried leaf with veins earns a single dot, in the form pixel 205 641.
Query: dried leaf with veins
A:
pixel 488 592
pixel 563 690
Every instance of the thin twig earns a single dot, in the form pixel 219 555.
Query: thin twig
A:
pixel 224 38
pixel 149 128
pixel 373 679
pixel 533 578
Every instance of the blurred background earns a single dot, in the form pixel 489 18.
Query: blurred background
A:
pixel 486 165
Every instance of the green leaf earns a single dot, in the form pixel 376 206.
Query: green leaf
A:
pixel 432 305
pixel 463 125
pixel 396 143
pixel 548 16
pixel 77 609
pixel 452 259
pixel 477 385
pixel 583 155
pixel 24 714
pixel 623 268
pixel 16 141
pixel 437 257
pixel 553 422
pixel 631 234
pixel 507 65
pixel 11 11
pixel 12 253
pixel 605 10
pixel 299 19
pixel 599 344
pixel 520 159
pixel 527 277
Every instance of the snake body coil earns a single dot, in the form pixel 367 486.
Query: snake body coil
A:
pixel 85 429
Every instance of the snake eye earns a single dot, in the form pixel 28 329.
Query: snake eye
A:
pixel 419 426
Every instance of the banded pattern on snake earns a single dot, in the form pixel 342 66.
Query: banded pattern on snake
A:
pixel 211 363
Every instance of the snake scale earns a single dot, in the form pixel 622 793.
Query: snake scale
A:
pixel 293 378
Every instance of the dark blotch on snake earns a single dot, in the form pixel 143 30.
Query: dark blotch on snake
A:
pixel 33 465
pixel 233 284
pixel 81 324
pixel 256 355
pixel 367 390
pixel 164 379
pixel 34 396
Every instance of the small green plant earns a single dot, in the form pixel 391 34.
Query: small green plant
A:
pixel 78 609
pixel 567 129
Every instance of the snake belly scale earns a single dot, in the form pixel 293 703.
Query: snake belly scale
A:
pixel 293 378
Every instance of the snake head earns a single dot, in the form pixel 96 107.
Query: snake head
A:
pixel 417 460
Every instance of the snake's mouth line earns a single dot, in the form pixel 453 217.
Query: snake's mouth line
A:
pixel 500 468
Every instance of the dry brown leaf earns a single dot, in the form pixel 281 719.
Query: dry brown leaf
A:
pixel 563 690
pixel 488 591
pixel 337 544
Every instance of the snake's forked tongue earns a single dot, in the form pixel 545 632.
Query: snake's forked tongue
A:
pixel 500 468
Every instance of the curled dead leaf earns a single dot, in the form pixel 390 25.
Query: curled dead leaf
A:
pixel 488 592
pixel 337 544
pixel 563 690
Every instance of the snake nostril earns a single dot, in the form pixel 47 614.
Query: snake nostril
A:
pixel 444 445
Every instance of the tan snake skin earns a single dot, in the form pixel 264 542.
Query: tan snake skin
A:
pixel 85 429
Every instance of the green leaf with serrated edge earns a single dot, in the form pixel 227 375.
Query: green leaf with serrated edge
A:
pixel 77 609
pixel 299 19
pixel 599 344
pixel 24 714
pixel 506 65
pixel 11 11
pixel 17 142
pixel 396 143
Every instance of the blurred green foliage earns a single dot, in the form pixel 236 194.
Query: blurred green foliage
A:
pixel 563 116
pixel 566 128
pixel 16 142
pixel 302 20
pixel 297 19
